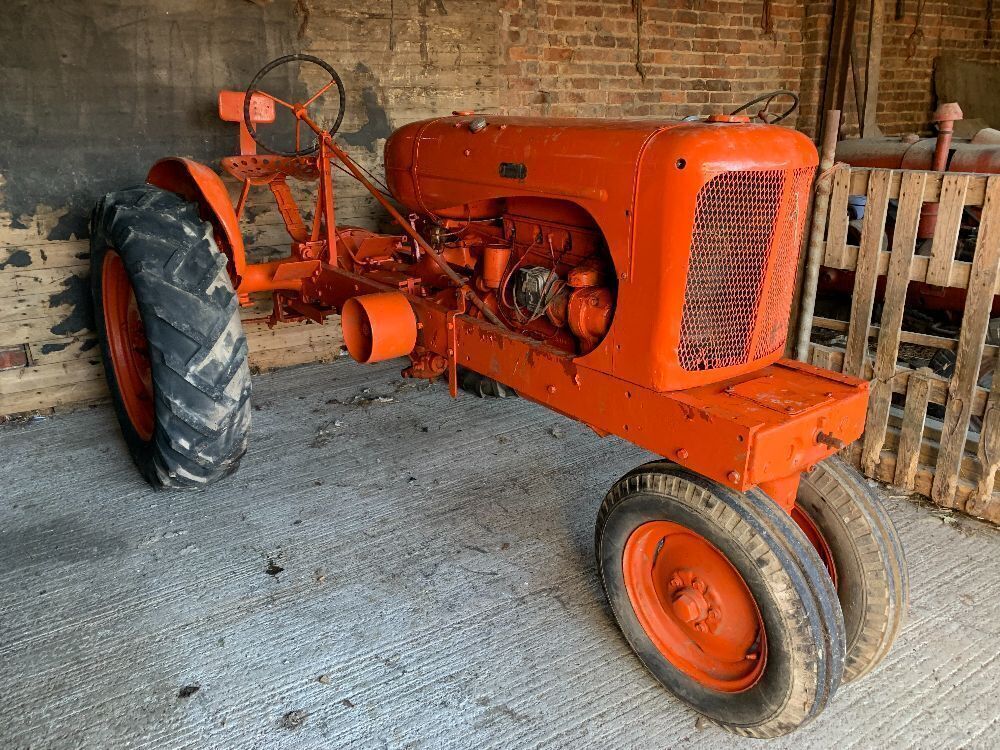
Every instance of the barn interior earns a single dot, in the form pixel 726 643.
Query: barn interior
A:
pixel 405 557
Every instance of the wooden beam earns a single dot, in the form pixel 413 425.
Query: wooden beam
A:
pixel 972 340
pixel 873 69
pixel 903 245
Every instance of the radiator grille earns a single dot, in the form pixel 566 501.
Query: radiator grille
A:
pixel 785 255
pixel 742 231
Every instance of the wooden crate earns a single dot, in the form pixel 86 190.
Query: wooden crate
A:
pixel 936 455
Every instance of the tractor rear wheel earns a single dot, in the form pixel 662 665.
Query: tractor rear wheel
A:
pixel 846 522
pixel 174 351
pixel 722 598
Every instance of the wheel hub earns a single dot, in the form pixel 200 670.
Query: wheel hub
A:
pixel 694 606
pixel 690 607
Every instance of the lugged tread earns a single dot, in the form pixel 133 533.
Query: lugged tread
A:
pixel 198 352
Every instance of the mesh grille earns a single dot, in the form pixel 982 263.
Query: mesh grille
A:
pixel 736 234
pixel 784 263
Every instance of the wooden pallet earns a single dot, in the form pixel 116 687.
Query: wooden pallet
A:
pixel 938 457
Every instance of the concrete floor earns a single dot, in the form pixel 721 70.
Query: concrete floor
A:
pixel 409 571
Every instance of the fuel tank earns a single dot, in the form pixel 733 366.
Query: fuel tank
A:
pixel 892 153
pixel 703 222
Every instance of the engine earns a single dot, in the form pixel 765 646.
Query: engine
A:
pixel 662 252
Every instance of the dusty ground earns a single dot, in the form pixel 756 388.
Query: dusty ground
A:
pixel 408 571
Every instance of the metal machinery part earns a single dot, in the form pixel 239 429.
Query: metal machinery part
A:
pixel 942 154
pixel 633 275
pixel 534 288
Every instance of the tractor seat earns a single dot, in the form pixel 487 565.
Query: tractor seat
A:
pixel 262 169
pixel 249 166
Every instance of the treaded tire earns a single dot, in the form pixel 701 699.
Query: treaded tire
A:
pixel 793 591
pixel 196 346
pixel 872 580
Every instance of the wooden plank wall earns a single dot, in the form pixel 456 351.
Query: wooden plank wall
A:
pixel 401 61
pixel 937 456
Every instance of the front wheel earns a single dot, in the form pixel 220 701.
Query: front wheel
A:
pixel 722 598
pixel 174 352
pixel 845 521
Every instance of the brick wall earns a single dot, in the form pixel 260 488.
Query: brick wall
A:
pixel 579 57
pixel 955 28
pixel 910 45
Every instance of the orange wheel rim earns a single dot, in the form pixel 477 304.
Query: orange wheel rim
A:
pixel 816 539
pixel 694 606
pixel 127 344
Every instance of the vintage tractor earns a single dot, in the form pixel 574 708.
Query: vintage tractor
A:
pixel 633 275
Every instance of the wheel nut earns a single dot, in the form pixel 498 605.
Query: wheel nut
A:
pixel 676 582
pixel 686 608
pixel 698 585
pixel 700 627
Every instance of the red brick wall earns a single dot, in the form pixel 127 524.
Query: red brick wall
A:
pixel 954 28
pixel 578 57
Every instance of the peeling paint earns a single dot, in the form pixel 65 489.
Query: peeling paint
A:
pixel 76 293
pixel 376 127
pixel 18 258
pixel 76 127
pixel 70 226
pixel 53 348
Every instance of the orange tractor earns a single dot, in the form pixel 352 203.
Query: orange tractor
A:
pixel 633 275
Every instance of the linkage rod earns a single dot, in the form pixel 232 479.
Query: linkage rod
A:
pixel 415 236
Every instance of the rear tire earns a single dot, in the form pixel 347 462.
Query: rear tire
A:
pixel 762 570
pixel 189 427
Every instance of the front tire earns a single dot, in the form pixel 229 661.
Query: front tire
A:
pixel 864 553
pixel 722 598
pixel 174 352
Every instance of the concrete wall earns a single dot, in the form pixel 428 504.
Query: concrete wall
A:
pixel 96 90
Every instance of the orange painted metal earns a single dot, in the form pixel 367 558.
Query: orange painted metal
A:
pixel 640 183
pixel 127 344
pixel 262 170
pixel 231 110
pixel 588 314
pixel 817 540
pixel 378 326
pixel 783 490
pixel 495 259
pixel 694 606
pixel 276 275
pixel 635 276
pixel 739 431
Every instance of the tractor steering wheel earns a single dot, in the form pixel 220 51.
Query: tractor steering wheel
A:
pixel 252 89
pixel 763 114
